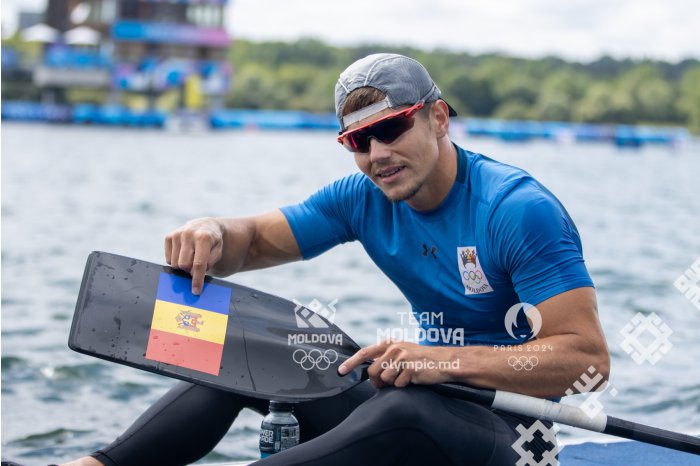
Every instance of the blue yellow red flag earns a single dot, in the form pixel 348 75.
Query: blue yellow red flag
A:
pixel 188 330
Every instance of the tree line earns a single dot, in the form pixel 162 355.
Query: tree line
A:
pixel 301 75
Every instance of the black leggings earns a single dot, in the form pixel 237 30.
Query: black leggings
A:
pixel 404 426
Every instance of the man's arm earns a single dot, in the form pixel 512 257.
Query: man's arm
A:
pixel 224 246
pixel 571 340
pixel 570 327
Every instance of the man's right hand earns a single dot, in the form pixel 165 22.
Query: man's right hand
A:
pixel 195 248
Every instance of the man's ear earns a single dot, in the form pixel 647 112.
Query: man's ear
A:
pixel 440 117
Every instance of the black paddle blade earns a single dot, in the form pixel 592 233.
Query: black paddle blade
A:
pixel 230 337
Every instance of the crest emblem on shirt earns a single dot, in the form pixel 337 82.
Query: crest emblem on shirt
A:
pixel 470 270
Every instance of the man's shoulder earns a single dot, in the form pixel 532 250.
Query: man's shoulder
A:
pixel 490 180
pixel 352 181
pixel 503 189
pixel 353 186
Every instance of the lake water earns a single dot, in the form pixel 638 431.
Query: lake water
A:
pixel 69 190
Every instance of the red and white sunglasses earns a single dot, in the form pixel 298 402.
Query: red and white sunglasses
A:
pixel 386 130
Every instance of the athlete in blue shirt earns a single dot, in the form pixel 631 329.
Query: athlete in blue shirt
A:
pixel 497 238
pixel 461 235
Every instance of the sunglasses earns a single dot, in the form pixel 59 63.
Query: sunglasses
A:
pixel 386 130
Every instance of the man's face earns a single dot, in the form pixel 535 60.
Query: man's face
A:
pixel 403 168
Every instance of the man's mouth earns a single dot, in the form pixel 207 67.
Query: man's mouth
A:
pixel 387 172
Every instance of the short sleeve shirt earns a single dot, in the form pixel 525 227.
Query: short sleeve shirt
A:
pixel 499 238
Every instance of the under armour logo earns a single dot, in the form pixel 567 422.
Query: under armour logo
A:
pixel 433 250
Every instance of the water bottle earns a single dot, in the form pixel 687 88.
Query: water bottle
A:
pixel 279 430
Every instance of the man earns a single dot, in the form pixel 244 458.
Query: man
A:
pixel 461 235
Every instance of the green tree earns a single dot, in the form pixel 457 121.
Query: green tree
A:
pixel 688 101
pixel 653 98
pixel 513 110
pixel 656 101
pixel 318 94
pixel 558 95
pixel 470 96
pixel 605 103
pixel 568 82
pixel 302 75
pixel 552 106
pixel 255 87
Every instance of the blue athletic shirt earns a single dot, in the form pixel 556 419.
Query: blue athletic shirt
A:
pixel 499 238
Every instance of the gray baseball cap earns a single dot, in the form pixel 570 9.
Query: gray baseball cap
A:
pixel 401 79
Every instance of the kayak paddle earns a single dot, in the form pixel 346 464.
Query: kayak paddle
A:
pixel 239 339
pixel 229 337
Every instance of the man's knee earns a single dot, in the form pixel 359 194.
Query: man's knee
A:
pixel 407 406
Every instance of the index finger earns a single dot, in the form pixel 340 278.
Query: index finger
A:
pixel 364 354
pixel 199 268
pixel 168 248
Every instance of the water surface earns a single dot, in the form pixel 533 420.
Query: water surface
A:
pixel 69 190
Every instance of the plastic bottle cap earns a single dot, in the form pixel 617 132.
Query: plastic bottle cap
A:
pixel 281 406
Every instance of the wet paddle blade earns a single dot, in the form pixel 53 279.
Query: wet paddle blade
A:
pixel 230 337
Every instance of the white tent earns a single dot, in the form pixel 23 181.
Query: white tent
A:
pixel 82 35
pixel 39 33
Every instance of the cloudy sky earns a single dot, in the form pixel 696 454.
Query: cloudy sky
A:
pixel 574 29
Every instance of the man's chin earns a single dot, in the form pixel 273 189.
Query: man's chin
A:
pixel 402 195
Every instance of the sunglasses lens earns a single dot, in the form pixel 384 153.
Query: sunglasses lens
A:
pixel 358 141
pixel 353 142
pixel 386 131
pixel 389 130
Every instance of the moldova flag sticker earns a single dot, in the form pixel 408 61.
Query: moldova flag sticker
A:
pixel 188 330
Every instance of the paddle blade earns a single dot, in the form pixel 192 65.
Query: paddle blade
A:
pixel 230 337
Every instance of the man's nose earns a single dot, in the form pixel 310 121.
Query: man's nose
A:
pixel 378 150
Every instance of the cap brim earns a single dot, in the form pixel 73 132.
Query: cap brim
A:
pixel 453 112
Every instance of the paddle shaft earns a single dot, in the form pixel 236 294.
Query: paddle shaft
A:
pixel 571 415
pixel 653 435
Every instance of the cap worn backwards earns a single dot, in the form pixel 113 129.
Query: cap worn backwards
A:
pixel 401 79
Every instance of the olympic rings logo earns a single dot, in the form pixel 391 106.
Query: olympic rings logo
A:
pixel 523 362
pixel 474 276
pixel 321 360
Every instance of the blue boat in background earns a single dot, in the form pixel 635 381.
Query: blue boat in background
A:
pixel 108 115
pixel 273 119
pixel 620 135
